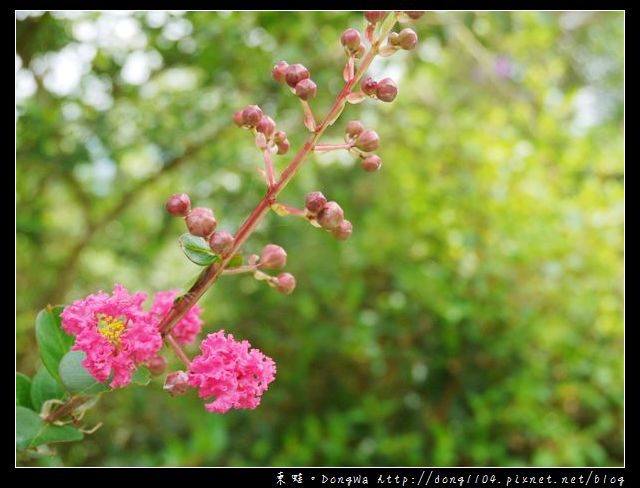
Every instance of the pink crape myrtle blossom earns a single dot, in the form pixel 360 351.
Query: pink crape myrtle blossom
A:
pixel 231 372
pixel 114 333
pixel 190 325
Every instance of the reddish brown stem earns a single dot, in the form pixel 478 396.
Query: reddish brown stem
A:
pixel 178 350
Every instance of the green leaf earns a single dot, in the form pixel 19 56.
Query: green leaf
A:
pixel 197 250
pixel 55 433
pixel 76 378
pixel 141 376
pixel 236 261
pixel 44 387
pixel 28 425
pixel 23 390
pixel 53 342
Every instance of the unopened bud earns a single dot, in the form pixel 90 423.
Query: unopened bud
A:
pixel 368 141
pixel 279 136
pixel 350 39
pixel 201 221
pixel 273 257
pixel 283 146
pixel 238 119
pixel 394 38
pixel 279 71
pixel 266 126
pixel 353 129
pixel 407 39
pixel 251 115
pixel 386 90
pixel 314 202
pixel 374 16
pixel 178 205
pixel 371 163
pixel 177 383
pixel 285 283
pixel 331 216
pixel 368 86
pixel 360 51
pixel 221 242
pixel 157 364
pixel 296 73
pixel 306 89
pixel 415 14
pixel 343 231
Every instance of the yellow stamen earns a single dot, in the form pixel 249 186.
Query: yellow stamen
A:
pixel 111 328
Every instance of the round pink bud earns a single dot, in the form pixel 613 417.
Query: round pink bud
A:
pixel 266 126
pixel 238 119
pixel 371 163
pixel 353 129
pixel 285 283
pixel 283 146
pixel 306 89
pixel 201 221
pixel 157 364
pixel 296 73
pixel 251 115
pixel 350 39
pixel 279 136
pixel 331 216
pixel 415 14
pixel 407 39
pixel 221 242
pixel 279 71
pixel 386 90
pixel 368 86
pixel 374 16
pixel 178 205
pixel 343 231
pixel 394 38
pixel 368 140
pixel 273 257
pixel 177 383
pixel 314 202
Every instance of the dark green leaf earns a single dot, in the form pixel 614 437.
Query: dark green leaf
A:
pixel 141 376
pixel 23 390
pixel 44 387
pixel 76 378
pixel 53 342
pixel 28 425
pixel 56 433
pixel 197 250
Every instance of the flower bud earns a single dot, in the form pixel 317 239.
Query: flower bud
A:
pixel 306 89
pixel 360 51
pixel 368 86
pixel 283 146
pixel 266 126
pixel 279 71
pixel 371 163
pixel 279 136
pixel 394 38
pixel 374 16
pixel 178 205
pixel 331 216
pixel 221 242
pixel 201 221
pixel 177 383
pixel 314 202
pixel 273 257
pixel 251 115
pixel 295 74
pixel 407 39
pixel 350 39
pixel 368 141
pixel 353 129
pixel 157 364
pixel 238 119
pixel 386 90
pixel 415 14
pixel 343 231
pixel 285 283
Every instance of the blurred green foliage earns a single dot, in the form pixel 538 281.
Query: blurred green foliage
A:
pixel 475 316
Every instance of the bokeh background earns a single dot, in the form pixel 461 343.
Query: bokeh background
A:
pixel 475 317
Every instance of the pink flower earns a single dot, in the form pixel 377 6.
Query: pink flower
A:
pixel 232 373
pixel 188 328
pixel 114 333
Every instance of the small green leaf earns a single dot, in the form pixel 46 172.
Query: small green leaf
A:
pixel 197 250
pixel 23 390
pixel 141 376
pixel 44 387
pixel 28 425
pixel 53 342
pixel 76 378
pixel 235 261
pixel 55 433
